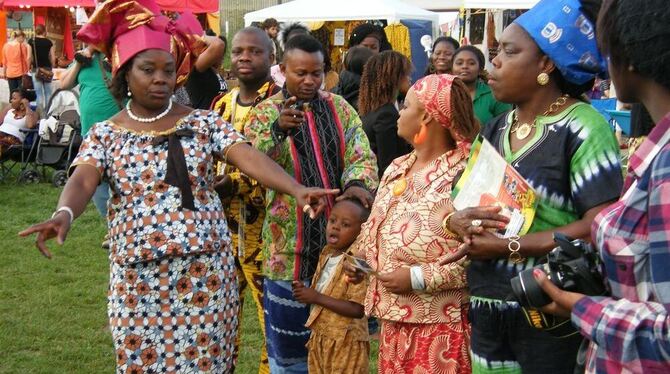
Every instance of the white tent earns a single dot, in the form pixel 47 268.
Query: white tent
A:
pixel 342 10
pixel 499 4
pixel 436 5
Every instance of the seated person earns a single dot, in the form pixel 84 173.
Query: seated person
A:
pixel 16 117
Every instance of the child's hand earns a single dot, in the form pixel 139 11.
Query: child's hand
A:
pixel 353 275
pixel 305 295
pixel 398 282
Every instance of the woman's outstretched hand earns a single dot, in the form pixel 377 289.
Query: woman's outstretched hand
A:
pixel 313 200
pixel 57 227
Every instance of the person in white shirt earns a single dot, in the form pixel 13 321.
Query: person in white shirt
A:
pixel 16 117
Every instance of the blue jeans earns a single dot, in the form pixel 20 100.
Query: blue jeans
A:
pixel 100 198
pixel 43 91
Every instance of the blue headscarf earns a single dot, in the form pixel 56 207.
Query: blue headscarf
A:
pixel 565 34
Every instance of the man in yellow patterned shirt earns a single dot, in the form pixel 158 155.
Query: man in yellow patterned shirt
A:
pixel 242 197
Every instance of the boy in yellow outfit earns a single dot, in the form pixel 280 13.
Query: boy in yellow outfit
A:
pixel 242 197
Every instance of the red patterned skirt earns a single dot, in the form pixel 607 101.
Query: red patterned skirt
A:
pixel 424 348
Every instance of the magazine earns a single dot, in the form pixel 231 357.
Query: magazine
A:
pixel 489 180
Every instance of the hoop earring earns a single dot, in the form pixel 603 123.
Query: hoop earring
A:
pixel 422 135
pixel 543 79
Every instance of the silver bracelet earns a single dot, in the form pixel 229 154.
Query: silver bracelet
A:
pixel 416 277
pixel 514 247
pixel 64 209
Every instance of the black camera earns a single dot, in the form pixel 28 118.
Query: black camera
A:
pixel 572 266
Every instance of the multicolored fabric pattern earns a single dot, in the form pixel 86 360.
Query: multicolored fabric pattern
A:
pixel 136 169
pixel 405 230
pixel 245 211
pixel 174 315
pixel 572 162
pixel 173 298
pixel 408 348
pixel 330 150
pixel 629 330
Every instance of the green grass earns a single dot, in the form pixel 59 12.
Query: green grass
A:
pixel 53 314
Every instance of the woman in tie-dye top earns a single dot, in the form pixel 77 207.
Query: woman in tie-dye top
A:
pixel 568 154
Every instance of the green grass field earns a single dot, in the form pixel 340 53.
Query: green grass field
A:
pixel 53 316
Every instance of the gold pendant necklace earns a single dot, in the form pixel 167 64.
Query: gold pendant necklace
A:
pixel 521 131
pixel 400 186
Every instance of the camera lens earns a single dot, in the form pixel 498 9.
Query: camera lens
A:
pixel 527 291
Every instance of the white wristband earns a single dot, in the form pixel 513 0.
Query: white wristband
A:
pixel 64 209
pixel 416 276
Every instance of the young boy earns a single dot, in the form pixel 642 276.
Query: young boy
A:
pixel 339 342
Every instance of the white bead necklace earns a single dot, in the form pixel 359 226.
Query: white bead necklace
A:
pixel 150 119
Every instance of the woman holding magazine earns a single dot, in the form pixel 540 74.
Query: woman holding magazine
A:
pixel 567 153
pixel 421 304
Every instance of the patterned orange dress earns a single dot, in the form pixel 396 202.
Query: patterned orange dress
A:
pixel 424 331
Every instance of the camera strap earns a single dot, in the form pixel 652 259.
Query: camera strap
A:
pixel 558 327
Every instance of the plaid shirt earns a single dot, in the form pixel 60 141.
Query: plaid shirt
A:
pixel 630 331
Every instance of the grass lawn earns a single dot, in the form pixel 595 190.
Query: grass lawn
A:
pixel 53 316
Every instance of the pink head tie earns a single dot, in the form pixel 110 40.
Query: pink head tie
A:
pixel 123 28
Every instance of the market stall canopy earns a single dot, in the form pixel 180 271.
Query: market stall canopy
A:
pixel 47 3
pixel 499 4
pixel 342 10
pixel 436 5
pixel 194 6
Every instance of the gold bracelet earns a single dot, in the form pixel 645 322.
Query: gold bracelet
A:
pixel 225 153
pixel 445 226
pixel 514 246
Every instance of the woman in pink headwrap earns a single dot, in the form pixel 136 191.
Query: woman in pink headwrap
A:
pixel 173 299
pixel 422 305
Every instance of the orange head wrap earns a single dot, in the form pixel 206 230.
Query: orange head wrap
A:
pixel 434 93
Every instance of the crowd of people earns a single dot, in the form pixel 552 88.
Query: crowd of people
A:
pixel 280 189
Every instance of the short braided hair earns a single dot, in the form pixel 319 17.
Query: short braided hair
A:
pixel 636 33
pixel 380 80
